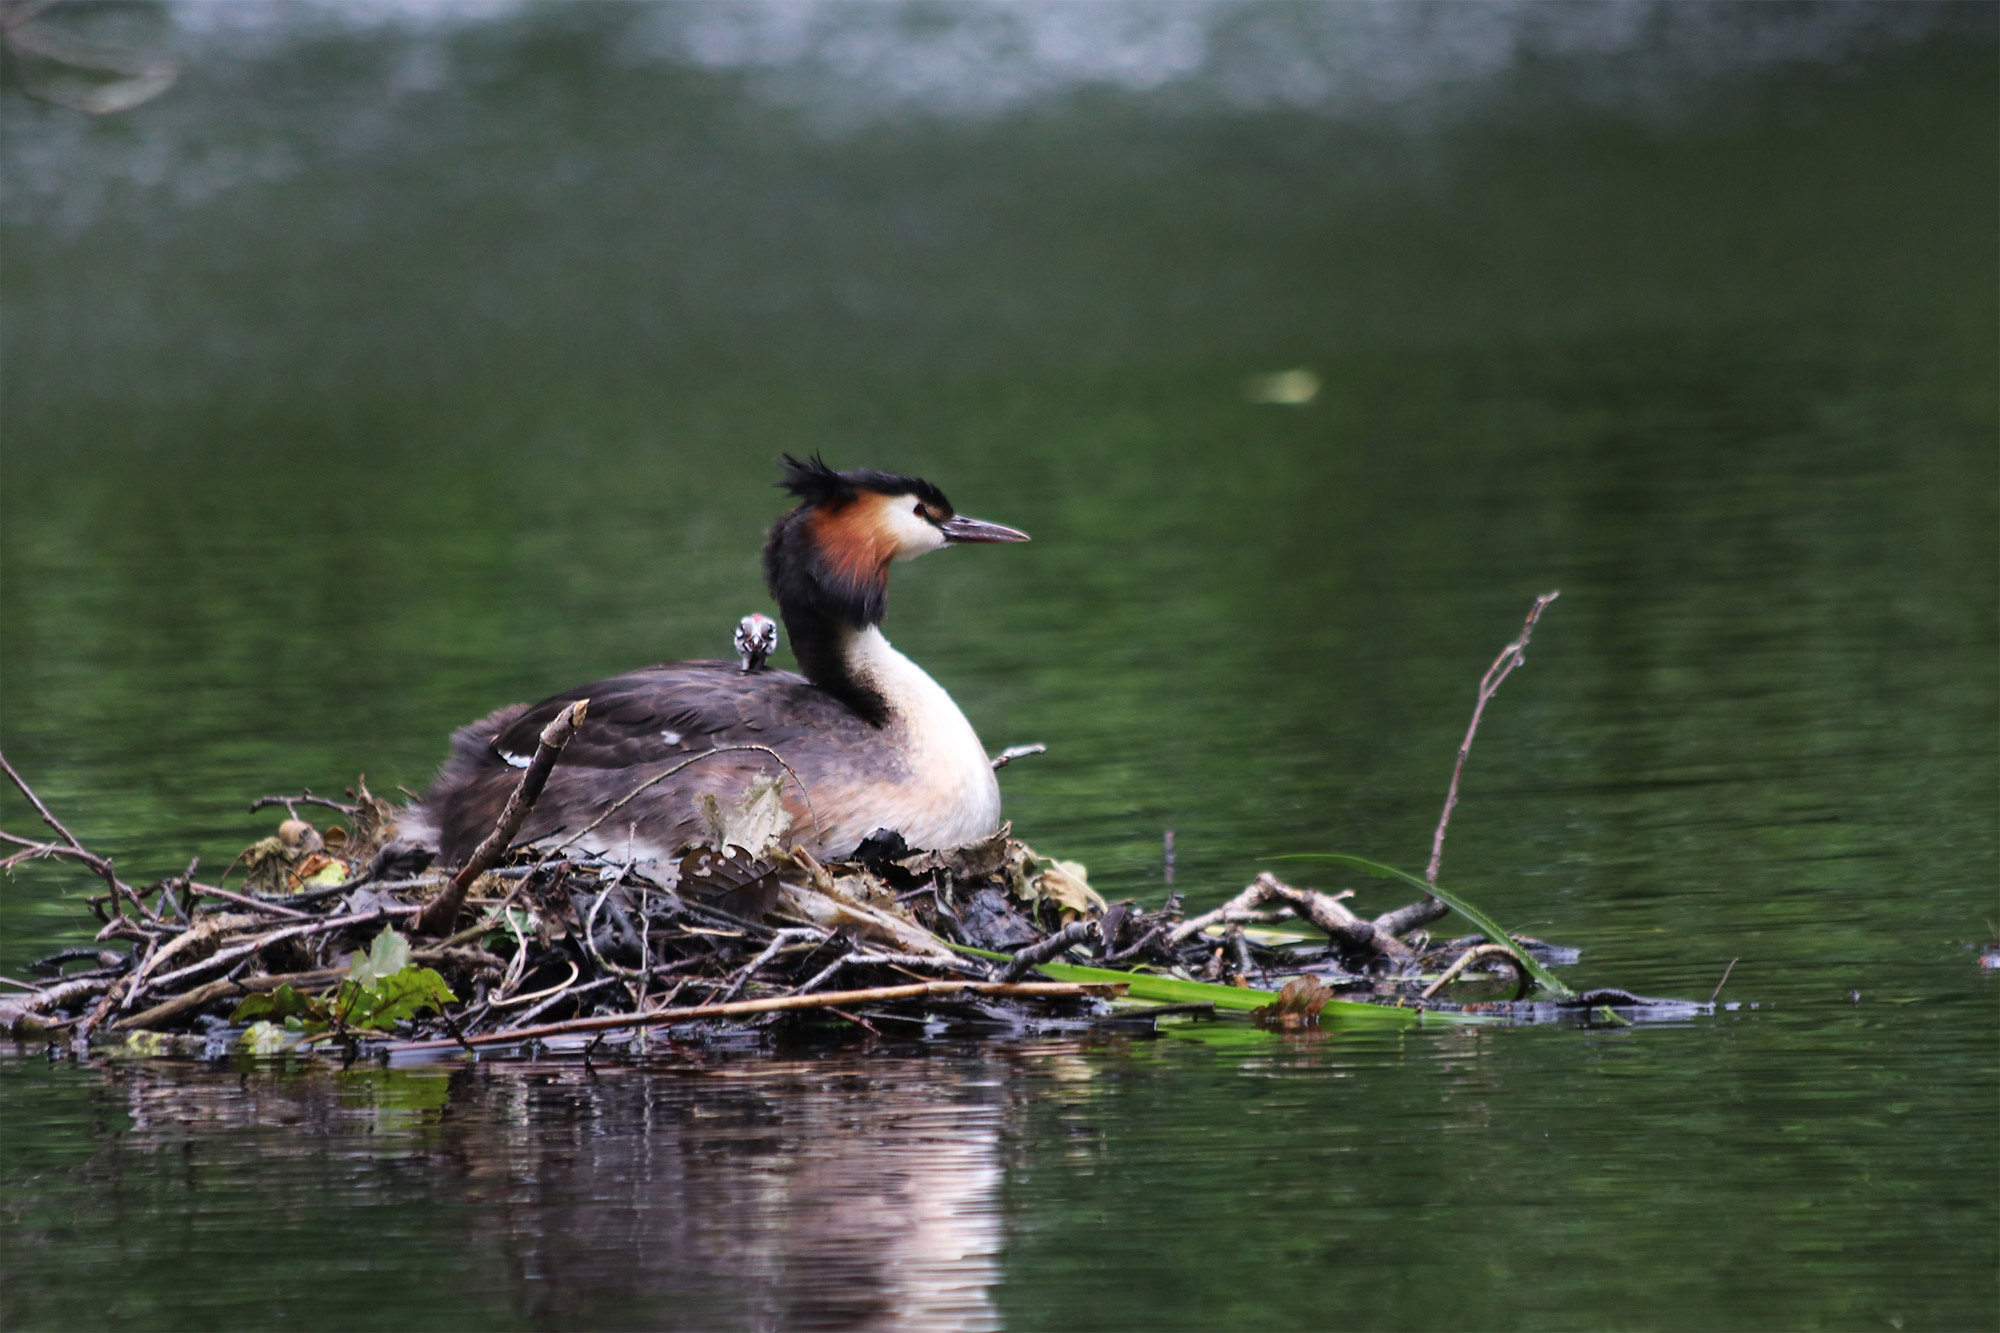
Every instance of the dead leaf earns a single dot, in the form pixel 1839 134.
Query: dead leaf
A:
pixel 266 864
pixel 1298 1004
pixel 1067 883
pixel 319 871
pixel 973 861
pixel 754 821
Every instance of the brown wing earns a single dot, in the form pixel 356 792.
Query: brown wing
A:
pixel 635 723
pixel 665 712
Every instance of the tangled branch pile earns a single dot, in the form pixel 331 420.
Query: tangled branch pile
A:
pixel 572 944
pixel 541 942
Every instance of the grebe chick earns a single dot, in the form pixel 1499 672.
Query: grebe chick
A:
pixel 756 640
pixel 868 740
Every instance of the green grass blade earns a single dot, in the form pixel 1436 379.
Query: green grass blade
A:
pixel 1488 927
pixel 1172 990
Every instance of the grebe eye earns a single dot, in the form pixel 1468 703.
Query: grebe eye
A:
pixel 922 512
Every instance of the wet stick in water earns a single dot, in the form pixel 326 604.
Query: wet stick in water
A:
pixel 781 1004
pixel 1469 957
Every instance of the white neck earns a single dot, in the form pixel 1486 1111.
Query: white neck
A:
pixel 948 770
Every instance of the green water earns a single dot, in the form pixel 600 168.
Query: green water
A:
pixel 372 410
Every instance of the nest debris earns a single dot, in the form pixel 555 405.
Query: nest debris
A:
pixel 573 944
pixel 347 937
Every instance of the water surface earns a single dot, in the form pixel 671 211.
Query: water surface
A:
pixel 377 376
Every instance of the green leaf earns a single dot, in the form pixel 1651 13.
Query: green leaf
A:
pixel 284 1002
pixel 1488 927
pixel 1172 990
pixel 401 996
pixel 391 1000
pixel 389 955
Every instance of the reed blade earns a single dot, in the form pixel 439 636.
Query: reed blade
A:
pixel 1545 980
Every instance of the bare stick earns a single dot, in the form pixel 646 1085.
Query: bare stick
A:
pixel 102 865
pixel 245 900
pixel 203 995
pixel 1348 933
pixel 901 961
pixel 1724 982
pixel 1133 950
pixel 1075 933
pixel 784 938
pixel 208 992
pixel 1510 657
pixel 244 950
pixel 1013 752
pixel 1473 955
pixel 544 994
pixel 442 914
pixel 776 1004
pixel 567 992
pixel 14 1007
pixel 291 803
pixel 1252 898
pixel 183 903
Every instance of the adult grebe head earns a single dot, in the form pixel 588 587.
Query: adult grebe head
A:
pixel 829 557
pixel 827 562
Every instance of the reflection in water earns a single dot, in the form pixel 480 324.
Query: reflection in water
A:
pixel 1108 1182
pixel 785 1194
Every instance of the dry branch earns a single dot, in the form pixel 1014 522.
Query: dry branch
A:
pixel 1522 980
pixel 100 864
pixel 442 914
pixel 245 900
pixel 264 941
pixel 1513 655
pixel 1055 946
pixel 775 1005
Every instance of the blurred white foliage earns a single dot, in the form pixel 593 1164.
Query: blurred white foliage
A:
pixel 848 62
pixel 850 57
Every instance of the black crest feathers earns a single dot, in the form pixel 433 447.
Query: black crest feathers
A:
pixel 819 486
pixel 812 481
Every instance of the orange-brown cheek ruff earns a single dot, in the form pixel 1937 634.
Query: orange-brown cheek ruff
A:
pixel 855 545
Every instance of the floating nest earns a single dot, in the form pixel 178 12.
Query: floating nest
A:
pixel 317 950
pixel 347 938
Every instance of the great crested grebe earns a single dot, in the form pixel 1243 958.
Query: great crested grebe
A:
pixel 874 741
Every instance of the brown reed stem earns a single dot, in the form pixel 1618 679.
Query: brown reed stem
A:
pixel 1513 655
